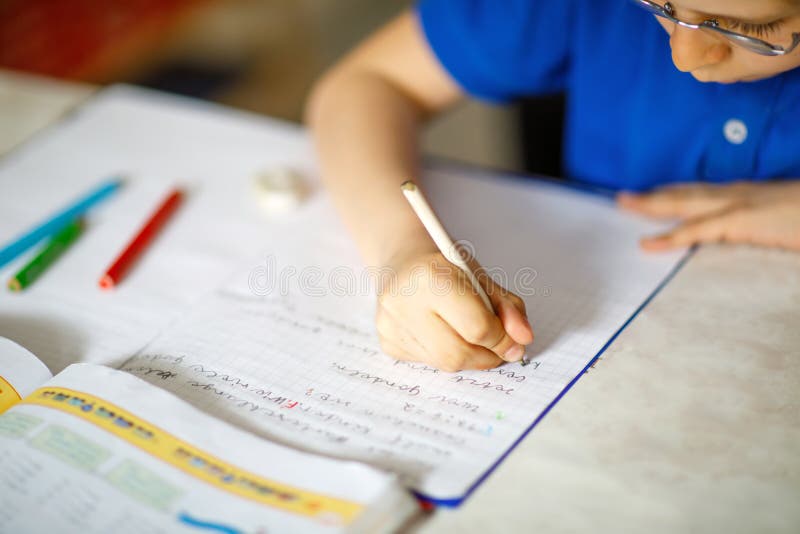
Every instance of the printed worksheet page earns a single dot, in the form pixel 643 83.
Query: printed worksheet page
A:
pixel 20 373
pixel 287 347
pixel 96 450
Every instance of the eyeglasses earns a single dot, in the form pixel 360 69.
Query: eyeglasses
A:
pixel 750 43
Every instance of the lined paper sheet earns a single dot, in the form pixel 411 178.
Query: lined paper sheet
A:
pixel 294 357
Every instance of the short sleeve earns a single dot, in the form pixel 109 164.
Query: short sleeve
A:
pixel 498 50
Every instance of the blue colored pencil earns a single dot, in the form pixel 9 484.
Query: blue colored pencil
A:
pixel 53 225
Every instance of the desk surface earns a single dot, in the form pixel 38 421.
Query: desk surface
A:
pixel 689 422
pixel 30 103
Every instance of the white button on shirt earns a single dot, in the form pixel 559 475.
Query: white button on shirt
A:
pixel 735 131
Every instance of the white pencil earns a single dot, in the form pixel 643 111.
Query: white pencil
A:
pixel 443 242
pixel 439 235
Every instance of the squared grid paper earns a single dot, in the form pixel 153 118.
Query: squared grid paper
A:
pixel 267 363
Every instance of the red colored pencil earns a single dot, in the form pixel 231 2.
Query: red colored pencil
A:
pixel 137 245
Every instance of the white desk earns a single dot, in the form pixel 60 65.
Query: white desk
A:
pixel 690 421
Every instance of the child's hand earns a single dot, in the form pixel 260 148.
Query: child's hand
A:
pixel 766 214
pixel 429 312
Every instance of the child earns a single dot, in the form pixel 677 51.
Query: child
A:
pixel 725 107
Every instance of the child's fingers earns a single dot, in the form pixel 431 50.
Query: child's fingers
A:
pixel 515 322
pixel 446 324
pixel 683 202
pixel 427 338
pixel 432 340
pixel 477 325
pixel 508 307
pixel 396 340
pixel 512 313
pixel 450 350
pixel 720 227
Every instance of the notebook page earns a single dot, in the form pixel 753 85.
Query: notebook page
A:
pixel 287 349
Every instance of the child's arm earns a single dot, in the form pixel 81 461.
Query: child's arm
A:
pixel 365 115
pixel 766 214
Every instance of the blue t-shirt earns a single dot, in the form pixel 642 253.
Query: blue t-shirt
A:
pixel 633 120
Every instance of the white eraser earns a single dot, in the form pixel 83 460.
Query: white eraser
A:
pixel 279 190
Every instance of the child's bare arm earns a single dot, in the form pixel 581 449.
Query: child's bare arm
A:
pixel 365 114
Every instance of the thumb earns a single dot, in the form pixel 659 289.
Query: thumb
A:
pixel 508 307
pixel 515 321
pixel 511 311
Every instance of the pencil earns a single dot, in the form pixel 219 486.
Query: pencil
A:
pixel 141 240
pixel 439 235
pixel 58 221
pixel 49 254
pixel 443 242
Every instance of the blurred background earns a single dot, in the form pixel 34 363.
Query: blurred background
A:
pixel 258 55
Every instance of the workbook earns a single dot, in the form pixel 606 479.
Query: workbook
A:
pixel 265 321
pixel 286 347
pixel 98 450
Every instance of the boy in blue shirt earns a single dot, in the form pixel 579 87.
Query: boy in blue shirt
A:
pixel 697 111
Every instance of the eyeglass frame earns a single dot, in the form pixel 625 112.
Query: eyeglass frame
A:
pixel 753 44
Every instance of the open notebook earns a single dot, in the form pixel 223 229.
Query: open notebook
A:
pixel 267 322
pixel 97 450
pixel 286 347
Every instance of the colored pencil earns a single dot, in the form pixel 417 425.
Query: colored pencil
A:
pixel 49 254
pixel 58 221
pixel 140 241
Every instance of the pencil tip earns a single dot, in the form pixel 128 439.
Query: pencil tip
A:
pixel 106 282
pixel 14 285
pixel 408 185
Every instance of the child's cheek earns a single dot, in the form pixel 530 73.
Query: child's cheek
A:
pixel 754 67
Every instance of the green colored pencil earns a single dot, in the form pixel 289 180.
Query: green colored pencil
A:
pixel 49 254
